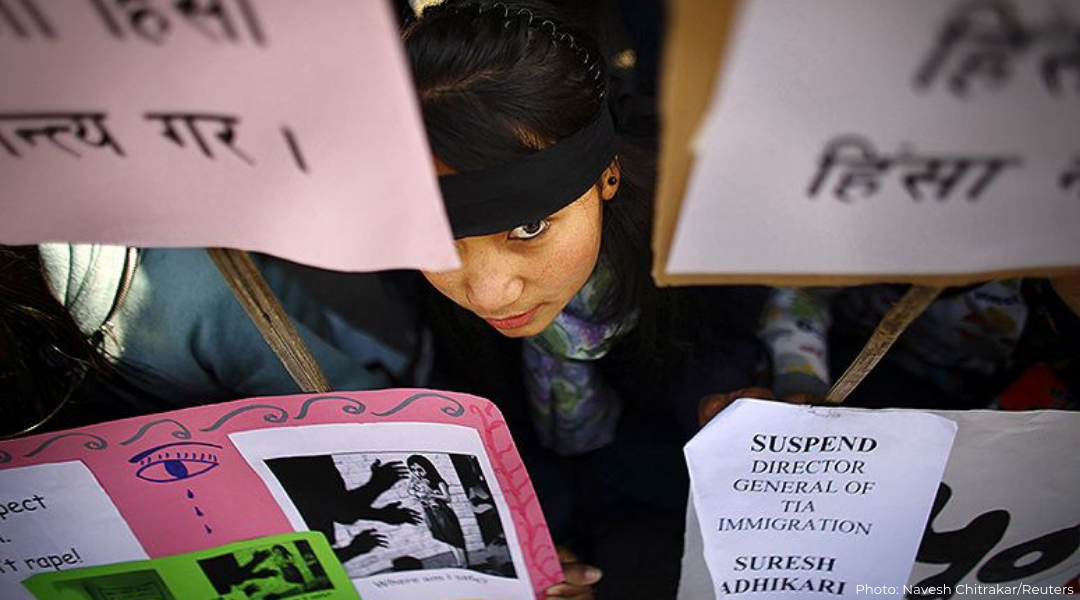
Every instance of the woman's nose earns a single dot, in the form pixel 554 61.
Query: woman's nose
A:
pixel 493 286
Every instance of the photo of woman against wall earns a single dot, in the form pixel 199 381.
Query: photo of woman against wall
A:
pixel 433 493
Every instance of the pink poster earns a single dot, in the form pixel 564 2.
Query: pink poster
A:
pixel 420 493
pixel 276 126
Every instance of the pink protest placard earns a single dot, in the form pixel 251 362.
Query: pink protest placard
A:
pixel 276 126
pixel 358 466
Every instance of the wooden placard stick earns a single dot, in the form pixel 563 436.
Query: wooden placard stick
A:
pixel 266 312
pixel 888 330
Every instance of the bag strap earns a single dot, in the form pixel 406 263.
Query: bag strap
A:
pixel 269 316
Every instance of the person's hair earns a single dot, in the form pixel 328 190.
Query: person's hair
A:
pixel 53 375
pixel 431 474
pixel 44 357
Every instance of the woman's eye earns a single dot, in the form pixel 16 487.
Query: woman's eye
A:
pixel 529 230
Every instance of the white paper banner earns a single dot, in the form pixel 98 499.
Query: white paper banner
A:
pixel 851 137
pixel 1006 521
pixel 797 500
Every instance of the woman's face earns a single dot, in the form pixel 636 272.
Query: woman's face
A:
pixel 520 280
pixel 417 470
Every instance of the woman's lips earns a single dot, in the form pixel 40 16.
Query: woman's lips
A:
pixel 514 322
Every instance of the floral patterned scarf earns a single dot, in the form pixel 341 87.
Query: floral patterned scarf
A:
pixel 573 409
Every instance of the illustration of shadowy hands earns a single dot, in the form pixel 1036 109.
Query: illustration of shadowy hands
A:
pixel 321 495
pixel 385 475
pixel 364 542
pixel 396 514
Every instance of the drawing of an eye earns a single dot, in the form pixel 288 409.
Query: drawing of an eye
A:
pixel 168 462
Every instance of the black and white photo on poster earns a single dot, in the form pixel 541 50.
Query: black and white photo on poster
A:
pixel 353 483
pixel 392 511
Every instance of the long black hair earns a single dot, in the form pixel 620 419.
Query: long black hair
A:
pixel 431 474
pixel 44 357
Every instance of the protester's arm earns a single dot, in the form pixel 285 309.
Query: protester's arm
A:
pixel 794 329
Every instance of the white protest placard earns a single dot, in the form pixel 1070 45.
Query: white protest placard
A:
pixel 1005 522
pixel 58 517
pixel 888 141
pixel 276 126
pixel 796 500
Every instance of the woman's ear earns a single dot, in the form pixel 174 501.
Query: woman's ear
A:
pixel 609 183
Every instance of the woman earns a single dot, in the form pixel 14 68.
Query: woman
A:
pixel 551 212
pixel 427 486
